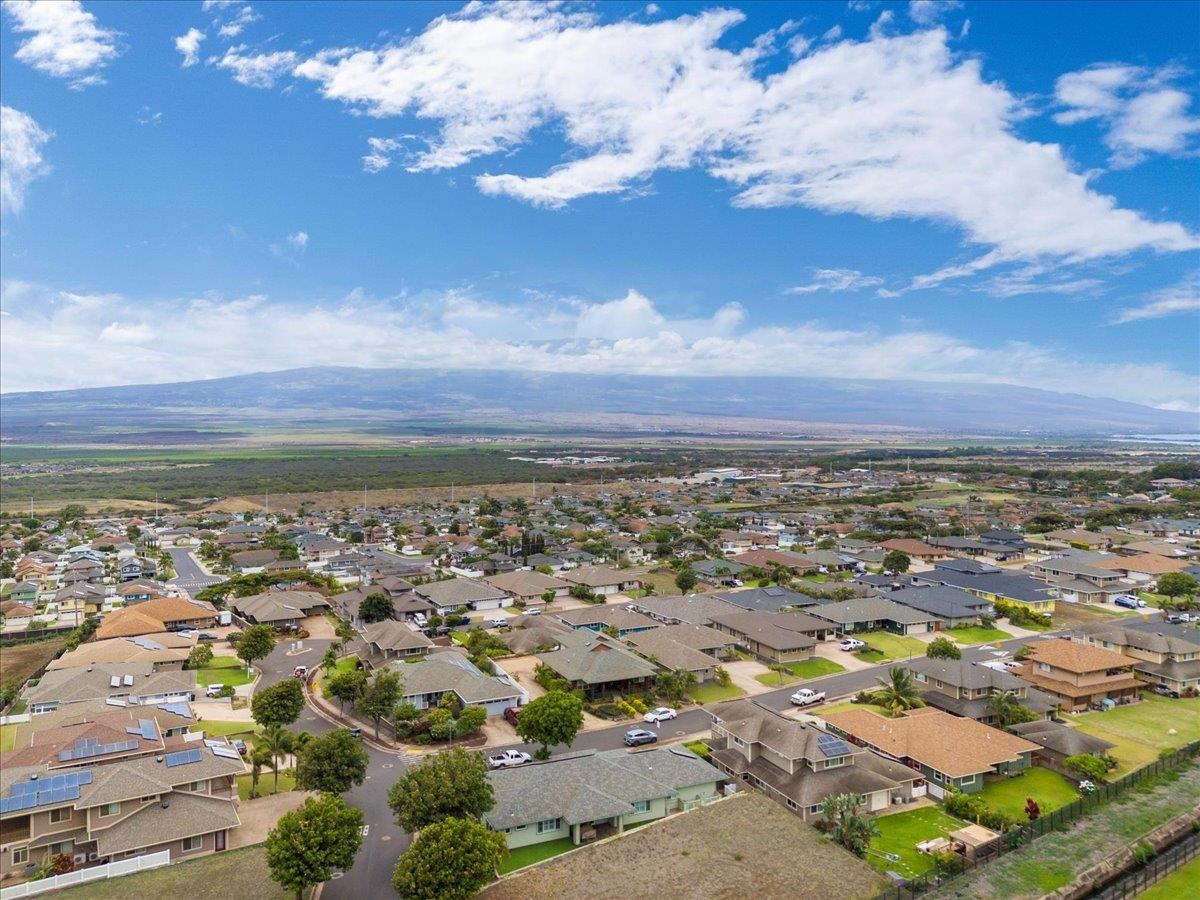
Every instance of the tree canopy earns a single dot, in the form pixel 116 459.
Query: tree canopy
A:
pixel 553 718
pixel 450 784
pixel 896 561
pixel 381 695
pixel 347 687
pixel 308 844
pixel 376 607
pixel 256 643
pixel 943 648
pixel 333 762
pixel 278 704
pixel 449 860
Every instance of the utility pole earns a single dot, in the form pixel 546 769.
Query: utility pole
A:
pixel 267 504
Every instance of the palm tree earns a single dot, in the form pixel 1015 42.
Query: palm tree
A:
pixel 1008 710
pixel 279 742
pixel 845 823
pixel 260 756
pixel 898 692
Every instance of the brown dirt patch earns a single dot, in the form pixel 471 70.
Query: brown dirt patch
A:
pixel 743 845
pixel 20 661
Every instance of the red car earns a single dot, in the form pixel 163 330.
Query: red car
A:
pixel 510 715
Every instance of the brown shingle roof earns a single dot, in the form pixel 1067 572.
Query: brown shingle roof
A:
pixel 1070 656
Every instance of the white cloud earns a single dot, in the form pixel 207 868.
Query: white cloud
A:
pixel 189 45
pixel 66 42
pixel 926 12
pixel 1138 108
pixel 260 70
pixel 836 280
pixel 1180 299
pixel 230 16
pixel 885 128
pixel 148 116
pixel 210 336
pixel 298 239
pixel 21 161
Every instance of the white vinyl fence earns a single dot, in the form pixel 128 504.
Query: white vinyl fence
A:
pixel 83 876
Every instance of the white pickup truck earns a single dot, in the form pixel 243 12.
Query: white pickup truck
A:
pixel 509 758
pixel 805 697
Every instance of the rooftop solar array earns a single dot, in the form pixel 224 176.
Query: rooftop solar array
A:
pixel 44 791
pixel 146 728
pixel 226 752
pixel 832 746
pixel 184 757
pixel 178 709
pixel 86 748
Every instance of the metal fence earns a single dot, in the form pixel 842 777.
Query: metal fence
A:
pixel 83 876
pixel 1023 834
pixel 1153 871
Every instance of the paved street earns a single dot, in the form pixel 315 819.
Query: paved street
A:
pixel 188 574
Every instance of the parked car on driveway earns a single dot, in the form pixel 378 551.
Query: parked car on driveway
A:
pixel 511 714
pixel 214 690
pixel 660 714
pixel 638 736
pixel 852 644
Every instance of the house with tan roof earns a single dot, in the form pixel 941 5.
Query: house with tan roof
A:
pixel 603 582
pixel 1164 654
pixel 915 549
pixel 951 751
pixel 1143 568
pixel 1080 675
pixel 157 615
pixel 527 586
pixel 167 650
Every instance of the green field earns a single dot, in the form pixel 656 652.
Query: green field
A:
pixel 345 664
pixel 527 856
pixel 899 833
pixel 1140 730
pixel 1051 791
pixel 8 737
pixel 842 707
pixel 1183 882
pixel 712 693
pixel 214 728
pixel 883 646
pixel 224 670
pixel 976 635
pixel 801 671
pixel 219 876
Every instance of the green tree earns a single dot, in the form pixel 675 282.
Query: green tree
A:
pixel 200 656
pixel 470 720
pixel 685 580
pixel 943 648
pixel 347 687
pixel 450 784
pixel 674 685
pixel 1085 765
pixel 553 718
pixel 898 692
pixel 897 562
pixel 843 817
pixel 333 762
pixel 376 607
pixel 381 695
pixel 280 742
pixel 449 860
pixel 260 756
pixel 278 704
pixel 1007 709
pixel 256 643
pixel 1177 584
pixel 307 845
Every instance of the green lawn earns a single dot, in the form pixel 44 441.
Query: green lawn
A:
pixel 1183 882
pixel 801 671
pixel 527 856
pixel 700 748
pixel 891 646
pixel 842 707
pixel 976 635
pixel 901 832
pixel 1051 791
pixel 8 737
pixel 224 670
pixel 1140 730
pixel 266 783
pixel 213 728
pixel 711 693
pixel 345 664
pixel 218 876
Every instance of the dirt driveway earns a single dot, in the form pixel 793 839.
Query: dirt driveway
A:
pixel 521 669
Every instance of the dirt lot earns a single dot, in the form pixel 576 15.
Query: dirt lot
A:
pixel 744 845
pixel 21 661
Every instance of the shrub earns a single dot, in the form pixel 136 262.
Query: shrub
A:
pixel 1085 765
pixel 1143 852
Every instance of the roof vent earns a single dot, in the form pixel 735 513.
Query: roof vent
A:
pixel 165 803
pixel 158 758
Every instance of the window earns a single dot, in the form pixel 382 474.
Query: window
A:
pixel 190 845
pixel 20 856
pixel 1044 667
pixel 61 847
pixel 641 806
pixel 549 825
pixel 835 761
pixel 967 780
pixel 110 809
pixel 62 814
pixel 197 786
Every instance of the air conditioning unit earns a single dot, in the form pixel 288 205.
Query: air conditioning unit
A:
pixel 93 856
pixel 80 858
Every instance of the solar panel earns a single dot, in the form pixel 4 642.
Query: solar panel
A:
pixel 146 728
pixel 184 757
pixel 226 752
pixel 178 709
pixel 69 779
pixel 18 803
pixel 114 701
pixel 832 746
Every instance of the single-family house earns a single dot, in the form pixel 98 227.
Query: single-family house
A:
pixel 604 617
pixel 781 637
pixel 875 614
pixel 527 586
pixel 1163 654
pixel 991 583
pixel 601 581
pixel 157 615
pixel 281 609
pixel 597 664
pixel 457 594
pixel 1079 675
pixel 395 640
pixel 1057 741
pixel 428 679
pixel 964 688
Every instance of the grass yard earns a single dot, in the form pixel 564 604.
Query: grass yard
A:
pixel 842 707
pixel 1051 791
pixel 662 582
pixel 901 832
pixel 8 737
pixel 700 748
pixel 527 856
pixel 712 693
pixel 1183 882
pixel 224 670
pixel 890 646
pixel 214 728
pixel 266 783
pixel 1140 730
pixel 976 635
pixel 345 664
pixel 801 671
pixel 234 873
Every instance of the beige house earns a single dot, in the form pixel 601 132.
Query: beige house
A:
pixel 1078 675
pixel 1166 655
pixel 526 586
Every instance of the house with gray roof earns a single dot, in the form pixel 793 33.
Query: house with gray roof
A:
pixel 693 609
pixel 768 599
pixel 618 616
pixel 991 583
pixel 395 640
pixel 132 684
pixel 874 614
pixel 696 648
pixel 598 665
pixel 279 608
pixel 1164 654
pixel 457 594
pixel 527 586
pixel 964 688
pixel 951 606
pixel 1058 741
pixel 594 794
pixel 781 637
pixel 427 680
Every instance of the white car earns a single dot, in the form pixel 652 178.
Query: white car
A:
pixel 498 621
pixel 852 644
pixel 661 714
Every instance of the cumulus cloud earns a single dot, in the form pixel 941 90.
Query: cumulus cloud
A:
pixel 189 45
pixel 836 281
pixel 211 336
pixel 888 127
pixel 21 161
pixel 1173 301
pixel 65 40
pixel 298 239
pixel 260 70
pixel 1140 110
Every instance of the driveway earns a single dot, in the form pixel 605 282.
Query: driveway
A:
pixel 319 628
pixel 521 669
pixel 743 672
pixel 260 815
pixel 831 651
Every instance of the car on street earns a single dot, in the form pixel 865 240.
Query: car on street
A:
pixel 300 671
pixel 507 758
pixel 498 621
pixel 214 690
pixel 806 697
pixel 1181 618
pixel 355 732
pixel 660 714
pixel 638 736
pixel 511 714
pixel 851 644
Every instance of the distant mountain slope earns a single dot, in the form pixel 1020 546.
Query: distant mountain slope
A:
pixel 464 396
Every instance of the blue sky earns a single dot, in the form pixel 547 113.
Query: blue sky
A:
pixel 946 191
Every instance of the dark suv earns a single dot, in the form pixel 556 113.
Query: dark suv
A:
pixel 510 715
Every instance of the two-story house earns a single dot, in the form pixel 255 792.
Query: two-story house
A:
pixel 991 583
pixel 1079 675
pixel 1163 654
pixel 798 764
pixel 964 688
